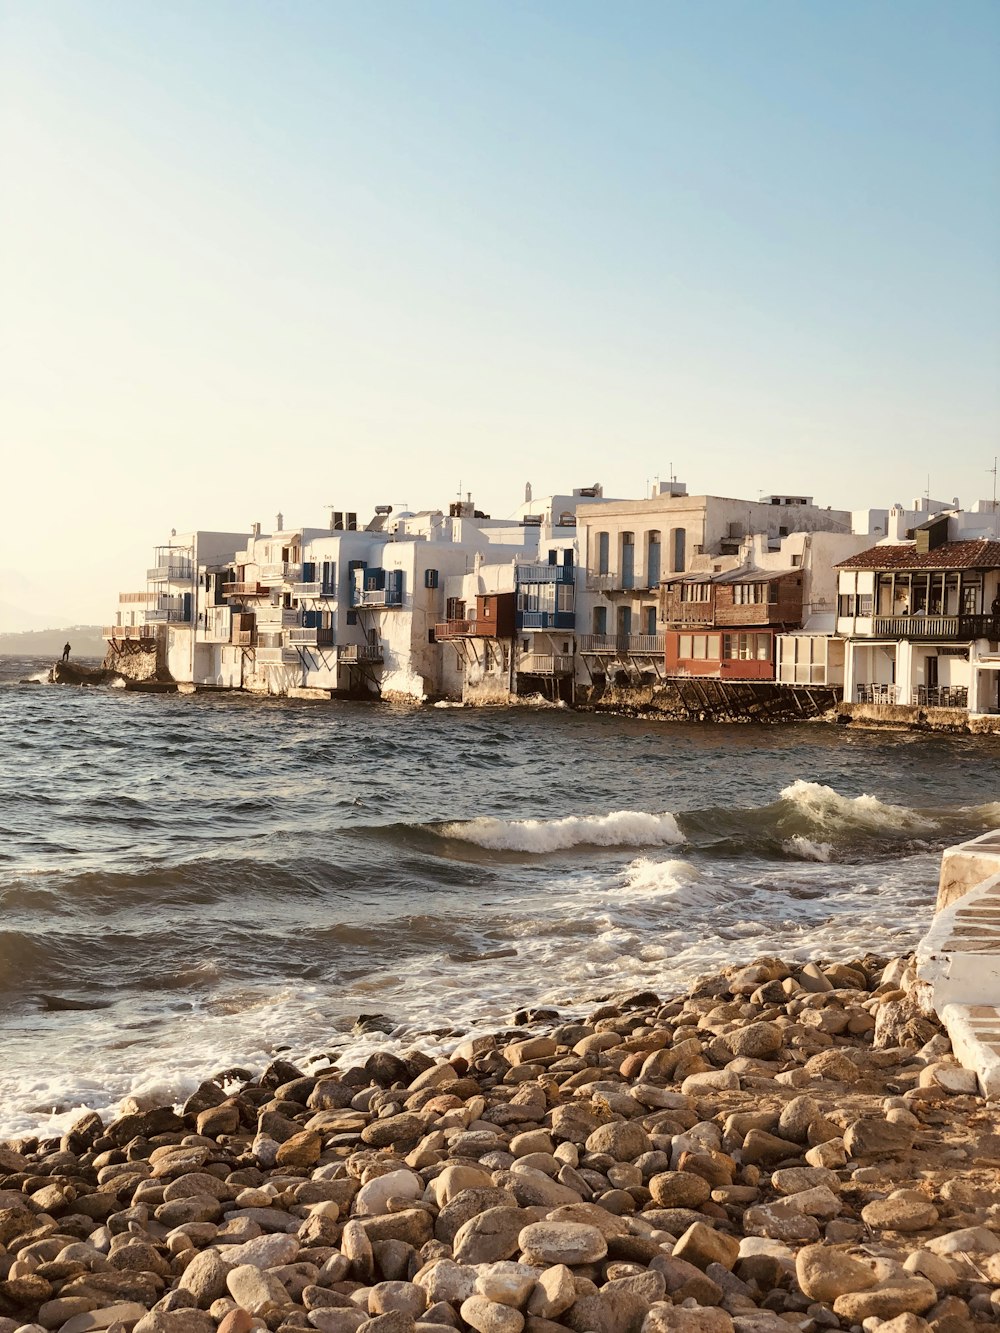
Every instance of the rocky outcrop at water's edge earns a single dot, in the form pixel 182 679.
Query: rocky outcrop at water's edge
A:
pixel 779 1148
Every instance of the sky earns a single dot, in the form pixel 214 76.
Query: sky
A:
pixel 260 257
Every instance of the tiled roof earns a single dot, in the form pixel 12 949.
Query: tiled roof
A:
pixel 950 555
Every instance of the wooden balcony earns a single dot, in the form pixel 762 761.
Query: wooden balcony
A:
pixel 243 638
pixel 129 633
pixel 455 629
pixel 936 627
pixel 252 589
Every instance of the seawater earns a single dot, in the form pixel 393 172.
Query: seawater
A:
pixel 192 883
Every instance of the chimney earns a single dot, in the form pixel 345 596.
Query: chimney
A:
pixel 279 522
pixel 896 527
pixel 527 492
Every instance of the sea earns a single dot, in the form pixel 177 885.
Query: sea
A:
pixel 195 883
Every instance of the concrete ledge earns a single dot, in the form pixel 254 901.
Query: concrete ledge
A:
pixel 958 960
pixel 974 1030
pixel 966 866
pixel 913 717
pixel 309 692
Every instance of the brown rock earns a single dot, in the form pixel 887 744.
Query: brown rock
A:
pixel 824 1273
pixel 679 1189
pixel 895 1295
pixel 701 1245
pixel 300 1150
pixel 877 1138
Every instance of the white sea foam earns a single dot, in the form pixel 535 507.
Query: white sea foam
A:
pixel 620 828
pixel 643 876
pixel 827 809
pixel 807 850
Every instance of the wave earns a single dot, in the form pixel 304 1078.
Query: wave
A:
pixel 643 876
pixel 826 808
pixel 804 849
pixel 620 828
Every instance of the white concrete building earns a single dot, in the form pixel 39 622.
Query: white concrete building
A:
pixel 920 612
pixel 162 620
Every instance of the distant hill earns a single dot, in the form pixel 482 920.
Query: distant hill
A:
pixel 85 640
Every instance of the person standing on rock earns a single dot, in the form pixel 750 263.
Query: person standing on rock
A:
pixel 65 656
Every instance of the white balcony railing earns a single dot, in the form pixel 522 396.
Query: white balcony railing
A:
pixel 281 572
pixel 284 656
pixel 174 571
pixel 276 617
pixel 546 664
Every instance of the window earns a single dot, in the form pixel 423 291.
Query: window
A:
pixel 696 592
pixel 565 597
pixel 430 578
pixel 796 561
pixel 600 620
pixel 329 577
pixel 628 559
pixel 603 552
pixel 653 560
pixel 684 646
pixel 751 594
pixel 679 545
pixel 866 604
pixel 747 647
pixel 650 626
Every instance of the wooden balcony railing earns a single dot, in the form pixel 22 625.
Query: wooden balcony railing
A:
pixel 254 588
pixel 454 629
pixel 129 633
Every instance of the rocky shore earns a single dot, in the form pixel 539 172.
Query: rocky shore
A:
pixel 781 1148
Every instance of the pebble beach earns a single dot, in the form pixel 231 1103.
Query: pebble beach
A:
pixel 781 1146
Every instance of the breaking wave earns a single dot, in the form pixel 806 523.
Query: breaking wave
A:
pixel 620 828
pixel 826 808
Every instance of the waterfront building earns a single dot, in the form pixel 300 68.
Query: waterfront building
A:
pixel 630 548
pixel 510 628
pixel 313 611
pixel 156 626
pixel 920 613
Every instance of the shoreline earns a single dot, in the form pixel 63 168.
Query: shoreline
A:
pixel 732 1160
pixel 856 717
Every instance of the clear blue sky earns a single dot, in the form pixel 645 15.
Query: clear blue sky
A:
pixel 261 256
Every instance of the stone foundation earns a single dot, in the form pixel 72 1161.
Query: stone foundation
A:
pixel 911 717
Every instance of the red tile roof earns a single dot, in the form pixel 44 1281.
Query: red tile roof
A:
pixel 949 555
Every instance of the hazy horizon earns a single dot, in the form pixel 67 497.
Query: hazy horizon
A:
pixel 259 258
